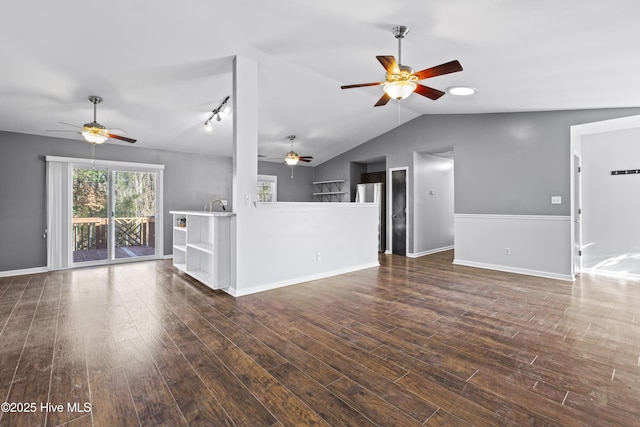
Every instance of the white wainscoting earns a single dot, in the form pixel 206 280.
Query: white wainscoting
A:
pixel 536 245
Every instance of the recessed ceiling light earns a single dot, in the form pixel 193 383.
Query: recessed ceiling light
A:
pixel 461 90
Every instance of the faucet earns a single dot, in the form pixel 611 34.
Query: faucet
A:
pixel 216 201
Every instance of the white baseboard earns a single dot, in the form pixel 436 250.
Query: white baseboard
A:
pixel 516 270
pixel 25 271
pixel 275 285
pixel 429 252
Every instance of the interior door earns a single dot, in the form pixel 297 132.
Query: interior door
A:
pixel 399 212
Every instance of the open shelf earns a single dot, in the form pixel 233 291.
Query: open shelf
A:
pixel 329 191
pixel 202 248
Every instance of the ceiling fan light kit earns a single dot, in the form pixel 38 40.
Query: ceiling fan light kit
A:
pixel 94 136
pixel 400 80
pixel 291 159
pixel 94 132
pixel 399 89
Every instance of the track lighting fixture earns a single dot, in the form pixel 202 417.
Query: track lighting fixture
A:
pixel 222 108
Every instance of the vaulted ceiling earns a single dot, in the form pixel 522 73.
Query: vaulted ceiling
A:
pixel 162 66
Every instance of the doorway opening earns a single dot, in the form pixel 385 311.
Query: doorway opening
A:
pixel 399 219
pixel 433 202
pixel 603 211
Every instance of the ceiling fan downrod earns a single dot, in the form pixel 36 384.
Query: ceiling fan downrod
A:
pixel 95 100
pixel 399 32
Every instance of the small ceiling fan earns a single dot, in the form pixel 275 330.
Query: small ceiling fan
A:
pixel 93 131
pixel 401 81
pixel 292 158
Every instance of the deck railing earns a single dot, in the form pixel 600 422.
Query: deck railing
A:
pixel 93 233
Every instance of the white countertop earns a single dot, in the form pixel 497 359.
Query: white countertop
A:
pixel 203 213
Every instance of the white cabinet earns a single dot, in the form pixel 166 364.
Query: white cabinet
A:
pixel 201 246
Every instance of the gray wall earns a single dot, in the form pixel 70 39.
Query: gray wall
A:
pixel 298 189
pixel 190 180
pixel 506 163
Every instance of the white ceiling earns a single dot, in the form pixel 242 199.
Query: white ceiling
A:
pixel 162 66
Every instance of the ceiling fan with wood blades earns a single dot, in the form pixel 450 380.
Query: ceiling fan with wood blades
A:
pixel 292 158
pixel 401 81
pixel 93 131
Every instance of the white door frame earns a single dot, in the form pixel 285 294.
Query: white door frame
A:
pixel 577 132
pixel 110 166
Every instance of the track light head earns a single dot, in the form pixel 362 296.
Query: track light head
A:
pixel 222 108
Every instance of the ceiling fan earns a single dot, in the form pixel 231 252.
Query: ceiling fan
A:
pixel 93 131
pixel 292 158
pixel 401 81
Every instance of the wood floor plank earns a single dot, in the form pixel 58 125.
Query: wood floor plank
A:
pixel 328 406
pixel 371 405
pixel 155 405
pixel 232 394
pixel 167 356
pixel 111 401
pixel 197 404
pixel 316 369
pixel 389 391
pixel 285 406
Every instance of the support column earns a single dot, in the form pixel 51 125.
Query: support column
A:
pixel 245 162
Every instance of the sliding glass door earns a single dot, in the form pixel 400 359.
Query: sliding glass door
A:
pixel 89 222
pixel 113 214
pixel 134 213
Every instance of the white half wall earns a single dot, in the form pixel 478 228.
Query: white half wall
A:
pixel 537 245
pixel 297 242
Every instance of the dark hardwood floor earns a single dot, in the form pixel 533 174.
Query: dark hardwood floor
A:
pixel 413 342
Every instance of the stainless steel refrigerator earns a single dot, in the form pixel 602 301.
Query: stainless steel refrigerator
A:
pixel 374 193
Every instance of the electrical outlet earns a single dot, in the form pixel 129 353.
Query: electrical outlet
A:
pixel 507 251
pixel 224 202
pixel 556 200
pixel 318 256
pixel 247 199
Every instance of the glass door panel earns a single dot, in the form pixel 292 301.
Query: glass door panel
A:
pixel 90 223
pixel 134 212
